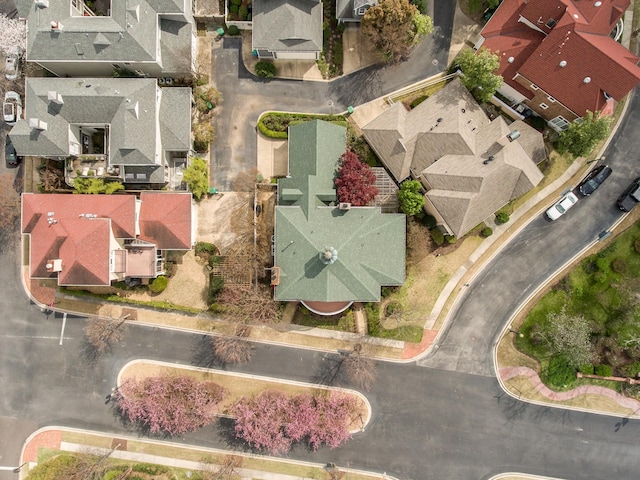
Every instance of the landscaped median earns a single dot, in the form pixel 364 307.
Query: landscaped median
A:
pixel 268 414
pixel 61 445
pixel 574 343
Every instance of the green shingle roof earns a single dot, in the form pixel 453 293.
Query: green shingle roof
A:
pixel 370 245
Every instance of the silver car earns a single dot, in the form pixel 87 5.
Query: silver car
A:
pixel 11 108
pixel 12 64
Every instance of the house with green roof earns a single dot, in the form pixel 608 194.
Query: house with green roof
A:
pixel 329 254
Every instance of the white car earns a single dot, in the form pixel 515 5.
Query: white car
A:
pixel 12 64
pixel 11 108
pixel 560 208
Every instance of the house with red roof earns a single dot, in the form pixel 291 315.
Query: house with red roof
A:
pixel 94 240
pixel 561 58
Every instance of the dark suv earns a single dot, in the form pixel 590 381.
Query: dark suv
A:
pixel 10 155
pixel 595 178
pixel 630 197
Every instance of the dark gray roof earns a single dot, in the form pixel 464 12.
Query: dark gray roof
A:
pixel 129 35
pixel 345 9
pixel 287 25
pixel 127 105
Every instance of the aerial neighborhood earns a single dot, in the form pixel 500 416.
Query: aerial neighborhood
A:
pixel 262 228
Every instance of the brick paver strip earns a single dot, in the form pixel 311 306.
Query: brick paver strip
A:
pixel 48 439
pixel 507 373
pixel 413 349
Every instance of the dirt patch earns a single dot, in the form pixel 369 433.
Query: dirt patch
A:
pixel 188 286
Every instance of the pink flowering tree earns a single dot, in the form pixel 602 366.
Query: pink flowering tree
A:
pixel 273 421
pixel 168 404
pixel 13 33
pixel 355 182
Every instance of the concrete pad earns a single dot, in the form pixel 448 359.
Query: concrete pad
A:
pixel 214 218
pixel 273 157
pixel 464 29
pixel 358 52
pixel 297 69
pixel 365 113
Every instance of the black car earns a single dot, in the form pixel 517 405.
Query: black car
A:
pixel 10 155
pixel 595 178
pixel 630 197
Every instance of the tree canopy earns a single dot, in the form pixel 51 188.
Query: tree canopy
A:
pixel 478 72
pixel 394 26
pixel 410 198
pixel 570 336
pixel 583 135
pixel 13 33
pixel 197 177
pixel 355 181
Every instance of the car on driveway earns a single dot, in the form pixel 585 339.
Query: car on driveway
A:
pixel 630 197
pixel 595 178
pixel 11 108
pixel 12 64
pixel 567 201
pixel 10 156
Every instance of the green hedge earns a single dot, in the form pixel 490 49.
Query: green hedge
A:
pixel 266 69
pixel 486 232
pixel 276 124
pixel 437 236
pixel 233 30
pixel 604 370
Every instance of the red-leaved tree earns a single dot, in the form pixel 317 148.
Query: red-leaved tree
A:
pixel 355 181
pixel 169 404
pixel 273 421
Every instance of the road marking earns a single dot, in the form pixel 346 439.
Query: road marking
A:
pixel 64 323
pixel 44 337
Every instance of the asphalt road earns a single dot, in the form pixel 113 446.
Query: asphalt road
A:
pixel 246 96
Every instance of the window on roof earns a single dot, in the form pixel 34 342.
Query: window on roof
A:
pixel 534 86
pixel 544 106
pixel 551 99
pixel 559 123
pixel 550 23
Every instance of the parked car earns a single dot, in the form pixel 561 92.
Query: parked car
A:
pixel 10 155
pixel 12 64
pixel 595 178
pixel 11 108
pixel 560 208
pixel 630 197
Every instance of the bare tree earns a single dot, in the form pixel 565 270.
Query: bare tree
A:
pixel 102 332
pixel 234 349
pixel 570 336
pixel 360 370
pixel 227 469
pixel 13 33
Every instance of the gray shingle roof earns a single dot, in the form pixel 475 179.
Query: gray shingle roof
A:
pixel 370 245
pixel 127 105
pixel 446 140
pixel 130 34
pixel 287 25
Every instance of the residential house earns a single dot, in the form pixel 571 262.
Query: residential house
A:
pixel 126 129
pixel 287 29
pixel 350 11
pixel 558 57
pixel 133 37
pixel 327 254
pixel 98 239
pixel 471 166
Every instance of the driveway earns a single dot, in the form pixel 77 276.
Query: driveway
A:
pixel 245 96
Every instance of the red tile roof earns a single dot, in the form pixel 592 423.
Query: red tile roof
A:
pixel 60 229
pixel 580 38
pixel 165 219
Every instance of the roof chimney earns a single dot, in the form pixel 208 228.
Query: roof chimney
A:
pixel 37 124
pixel 513 135
pixel 56 26
pixel 54 97
pixel 54 265
pixel 42 3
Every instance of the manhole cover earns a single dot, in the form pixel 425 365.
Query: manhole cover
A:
pixel 330 103
pixel 435 61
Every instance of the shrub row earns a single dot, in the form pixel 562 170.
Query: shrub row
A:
pixel 276 124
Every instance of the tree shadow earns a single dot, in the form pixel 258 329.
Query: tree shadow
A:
pixel 203 354
pixel 329 371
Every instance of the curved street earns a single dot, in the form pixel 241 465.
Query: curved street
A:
pixel 446 418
